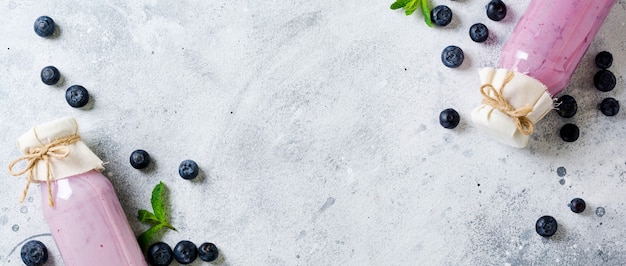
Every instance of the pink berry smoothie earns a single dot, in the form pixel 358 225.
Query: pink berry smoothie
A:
pixel 551 37
pixel 88 224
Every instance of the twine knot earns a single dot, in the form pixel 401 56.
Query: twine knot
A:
pixel 56 149
pixel 495 99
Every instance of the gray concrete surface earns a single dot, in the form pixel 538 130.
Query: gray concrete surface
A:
pixel 315 124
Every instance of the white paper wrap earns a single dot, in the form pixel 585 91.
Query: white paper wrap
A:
pixel 80 159
pixel 520 92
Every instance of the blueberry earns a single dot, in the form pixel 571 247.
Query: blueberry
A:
pixel 188 169
pixel 479 32
pixel 577 205
pixel 160 254
pixel 566 106
pixel 609 106
pixel 449 118
pixel 50 75
pixel 441 15
pixel 604 80
pixel 77 96
pixel 139 159
pixel 208 252
pixel 34 253
pixel 569 132
pixel 452 56
pixel 44 26
pixel 496 10
pixel 604 60
pixel 546 226
pixel 185 252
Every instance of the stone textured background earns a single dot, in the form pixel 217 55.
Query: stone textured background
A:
pixel 315 124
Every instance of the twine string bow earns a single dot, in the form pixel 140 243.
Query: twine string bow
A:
pixel 56 149
pixel 494 98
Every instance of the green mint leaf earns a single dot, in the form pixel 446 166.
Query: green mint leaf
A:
pixel 411 6
pixel 426 12
pixel 157 219
pixel 147 217
pixel 145 239
pixel 399 4
pixel 157 201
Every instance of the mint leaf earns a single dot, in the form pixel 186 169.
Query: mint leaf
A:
pixel 145 239
pixel 157 201
pixel 156 219
pixel 426 12
pixel 147 217
pixel 399 4
pixel 411 6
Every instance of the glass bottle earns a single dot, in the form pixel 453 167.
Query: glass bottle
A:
pixel 79 204
pixel 536 64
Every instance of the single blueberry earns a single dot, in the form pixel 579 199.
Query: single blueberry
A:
pixel 566 106
pixel 479 32
pixel 609 106
pixel 34 253
pixel 604 60
pixel 496 10
pixel 188 169
pixel 50 75
pixel 160 254
pixel 185 252
pixel 452 56
pixel 441 15
pixel 77 96
pixel 139 159
pixel 208 252
pixel 449 118
pixel 546 226
pixel 604 80
pixel 569 132
pixel 44 26
pixel 577 205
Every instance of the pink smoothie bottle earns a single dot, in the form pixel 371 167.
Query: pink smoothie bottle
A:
pixel 81 208
pixel 536 64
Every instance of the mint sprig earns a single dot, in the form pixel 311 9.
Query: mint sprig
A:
pixel 157 220
pixel 411 5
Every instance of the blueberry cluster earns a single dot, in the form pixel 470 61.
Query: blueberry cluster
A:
pixel 452 56
pixel 185 252
pixel 604 81
pixel 188 169
pixel 546 225
pixel 76 96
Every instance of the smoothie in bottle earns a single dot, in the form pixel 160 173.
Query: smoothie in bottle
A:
pixel 81 208
pixel 536 64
